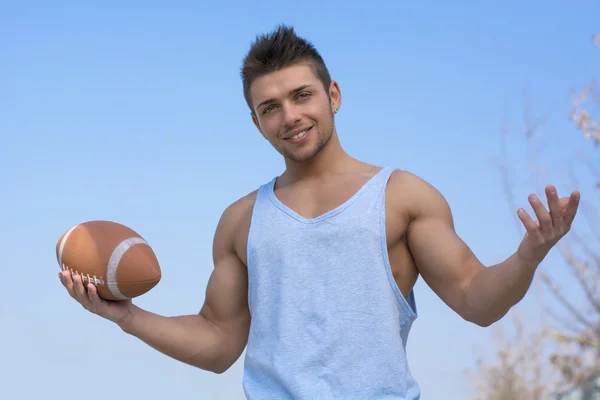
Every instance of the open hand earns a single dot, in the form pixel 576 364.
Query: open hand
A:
pixel 551 225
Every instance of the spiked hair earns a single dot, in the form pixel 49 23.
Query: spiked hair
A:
pixel 279 49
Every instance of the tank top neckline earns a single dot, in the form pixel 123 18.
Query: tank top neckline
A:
pixel 270 188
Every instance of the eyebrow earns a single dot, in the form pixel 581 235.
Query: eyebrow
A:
pixel 291 92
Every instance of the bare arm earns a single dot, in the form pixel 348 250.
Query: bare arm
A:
pixel 479 294
pixel 215 338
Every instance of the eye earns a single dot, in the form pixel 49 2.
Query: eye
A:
pixel 303 95
pixel 268 109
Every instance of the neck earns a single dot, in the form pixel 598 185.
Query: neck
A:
pixel 330 160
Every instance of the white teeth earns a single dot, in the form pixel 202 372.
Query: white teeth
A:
pixel 299 135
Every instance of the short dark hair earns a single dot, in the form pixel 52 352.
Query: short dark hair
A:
pixel 279 49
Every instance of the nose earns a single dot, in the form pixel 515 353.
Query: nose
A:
pixel 291 115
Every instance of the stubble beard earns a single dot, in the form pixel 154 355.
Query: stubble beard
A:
pixel 322 140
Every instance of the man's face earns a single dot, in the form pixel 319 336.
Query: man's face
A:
pixel 293 112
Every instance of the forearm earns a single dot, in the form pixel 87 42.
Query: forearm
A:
pixel 191 339
pixel 496 289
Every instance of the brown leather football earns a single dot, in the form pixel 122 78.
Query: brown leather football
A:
pixel 112 256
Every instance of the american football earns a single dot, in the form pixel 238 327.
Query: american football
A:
pixel 113 257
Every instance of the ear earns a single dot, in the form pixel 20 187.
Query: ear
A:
pixel 257 124
pixel 335 94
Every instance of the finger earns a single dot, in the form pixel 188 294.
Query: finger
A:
pixel 530 225
pixel 81 292
pixel 571 208
pixel 564 202
pixel 67 281
pixel 556 211
pixel 542 214
pixel 95 300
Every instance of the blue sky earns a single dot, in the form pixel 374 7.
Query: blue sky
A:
pixel 133 112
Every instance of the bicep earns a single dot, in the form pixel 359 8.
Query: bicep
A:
pixel 442 258
pixel 226 304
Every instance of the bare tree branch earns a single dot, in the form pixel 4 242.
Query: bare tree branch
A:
pixel 568 305
pixel 572 346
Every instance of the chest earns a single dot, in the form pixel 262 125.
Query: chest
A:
pixel 313 200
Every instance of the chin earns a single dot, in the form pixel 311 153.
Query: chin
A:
pixel 301 156
pixel 307 153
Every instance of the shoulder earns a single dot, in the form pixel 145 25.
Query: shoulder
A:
pixel 240 208
pixel 237 212
pixel 232 230
pixel 415 196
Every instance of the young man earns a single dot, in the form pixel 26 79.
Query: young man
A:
pixel 314 271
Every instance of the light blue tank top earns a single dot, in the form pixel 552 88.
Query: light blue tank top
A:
pixel 328 320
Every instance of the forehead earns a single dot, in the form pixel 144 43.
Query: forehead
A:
pixel 277 84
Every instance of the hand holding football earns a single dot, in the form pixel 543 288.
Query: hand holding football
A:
pixel 113 257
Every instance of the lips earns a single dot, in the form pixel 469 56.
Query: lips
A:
pixel 298 136
pixel 298 133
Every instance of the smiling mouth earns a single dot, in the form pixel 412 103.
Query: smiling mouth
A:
pixel 299 135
